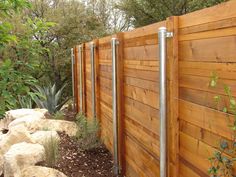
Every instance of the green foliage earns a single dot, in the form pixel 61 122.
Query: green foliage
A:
pixel 221 164
pixel 144 12
pixel 7 8
pixel 58 25
pixel 87 134
pixel 5 36
pixel 59 115
pixel 25 101
pixel 36 42
pixel 13 84
pixel 51 146
pixel 49 98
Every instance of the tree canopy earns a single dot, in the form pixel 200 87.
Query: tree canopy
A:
pixel 36 37
pixel 144 12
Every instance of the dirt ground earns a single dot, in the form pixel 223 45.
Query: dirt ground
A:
pixel 74 162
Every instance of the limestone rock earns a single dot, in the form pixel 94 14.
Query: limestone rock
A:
pixel 28 121
pixel 43 137
pixel 19 113
pixel 2 136
pixel 70 128
pixel 38 171
pixel 15 135
pixel 20 156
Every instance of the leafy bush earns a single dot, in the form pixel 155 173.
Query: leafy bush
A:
pixel 87 134
pixel 222 164
pixel 49 98
pixel 51 147
pixel 14 83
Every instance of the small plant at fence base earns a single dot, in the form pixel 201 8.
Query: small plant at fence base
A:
pixel 87 134
pixel 223 159
pixel 51 146
pixel 58 115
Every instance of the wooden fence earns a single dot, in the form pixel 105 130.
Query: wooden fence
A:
pixel 204 41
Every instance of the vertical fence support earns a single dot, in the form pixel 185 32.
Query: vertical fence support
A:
pixel 72 76
pixel 162 35
pixel 76 79
pixel 96 77
pixel 120 103
pixel 80 79
pixel 114 43
pixel 173 98
pixel 92 47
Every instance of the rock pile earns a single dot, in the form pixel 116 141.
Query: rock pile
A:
pixel 23 133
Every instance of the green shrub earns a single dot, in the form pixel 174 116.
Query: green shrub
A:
pixel 15 83
pixel 51 146
pixel 59 115
pixel 49 98
pixel 222 164
pixel 87 134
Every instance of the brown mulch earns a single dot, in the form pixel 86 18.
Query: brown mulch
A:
pixel 74 162
pixel 70 114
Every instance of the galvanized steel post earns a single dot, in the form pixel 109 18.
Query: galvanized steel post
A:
pixel 114 43
pixel 72 76
pixel 162 35
pixel 80 79
pixel 92 47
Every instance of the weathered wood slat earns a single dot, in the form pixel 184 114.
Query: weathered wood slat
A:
pixel 142 65
pixel 142 95
pixel 144 31
pixel 207 15
pixel 148 139
pixel 205 69
pixel 195 152
pixel 207 118
pixel 145 115
pixel 143 163
pixel 209 34
pixel 142 40
pixel 203 98
pixel 214 50
pixel 202 83
pixel 146 75
pixel 141 83
pixel 185 171
pixel 149 52
pixel 220 24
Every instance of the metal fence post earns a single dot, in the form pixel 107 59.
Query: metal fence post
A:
pixel 114 42
pixel 92 47
pixel 162 35
pixel 80 79
pixel 72 76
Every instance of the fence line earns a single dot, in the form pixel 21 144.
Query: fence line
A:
pixel 204 41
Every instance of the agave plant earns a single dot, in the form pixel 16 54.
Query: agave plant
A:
pixel 25 101
pixel 49 98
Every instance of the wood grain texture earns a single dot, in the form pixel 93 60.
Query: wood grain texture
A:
pixel 216 13
pixel 204 42
pixel 172 98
